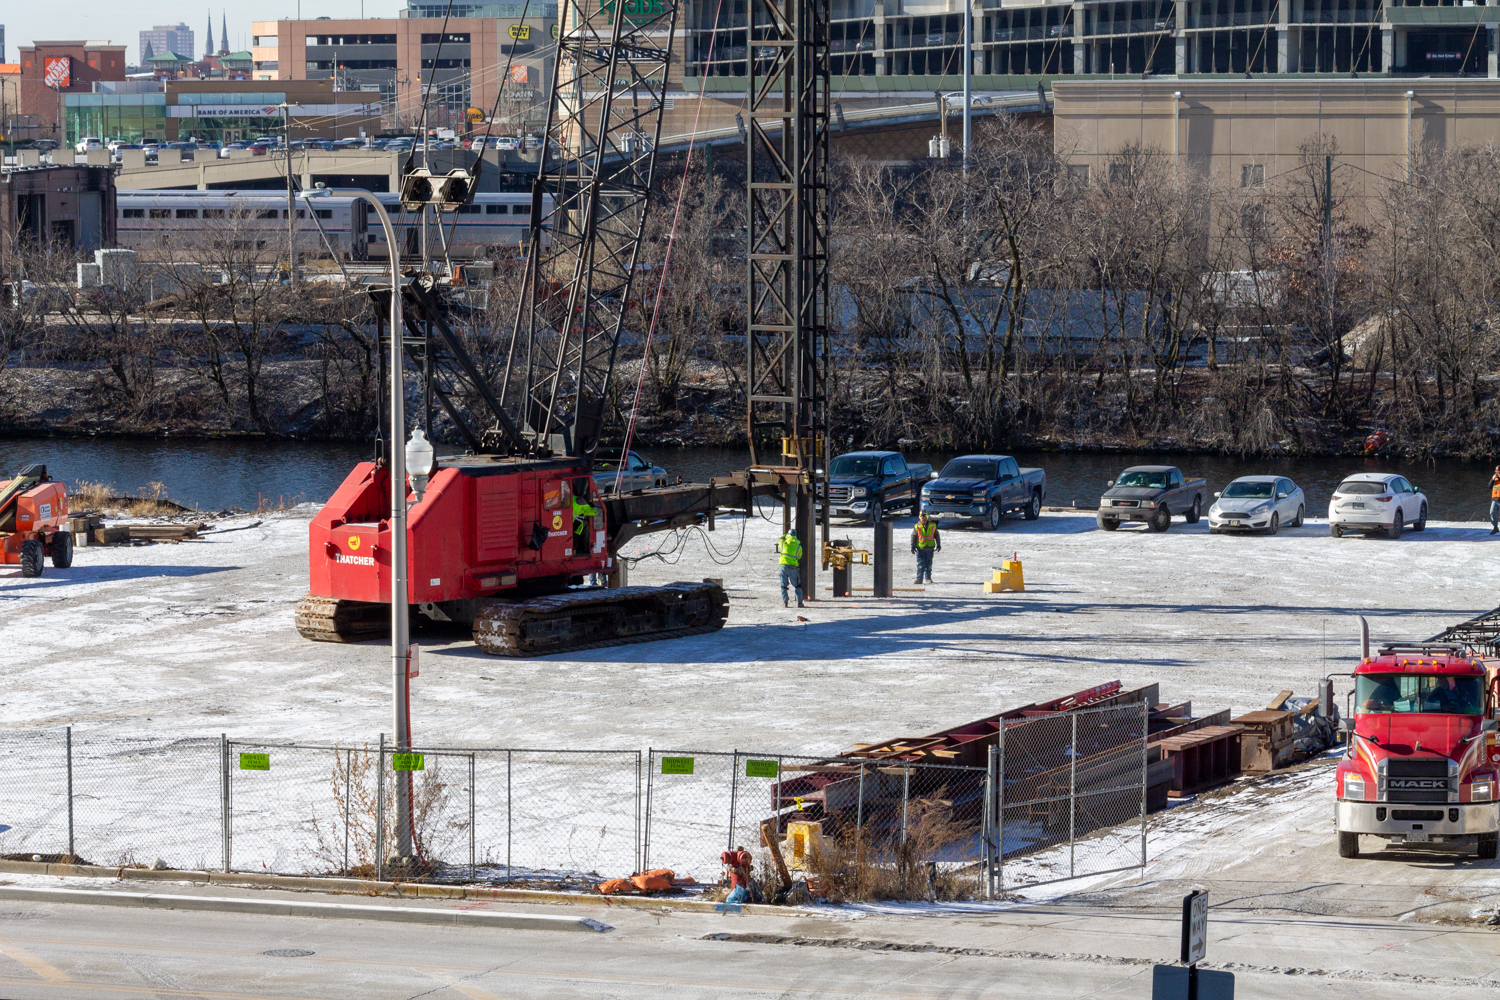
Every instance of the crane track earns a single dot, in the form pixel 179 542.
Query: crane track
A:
pixel 595 619
pixel 562 623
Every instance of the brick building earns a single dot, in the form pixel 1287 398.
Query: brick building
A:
pixel 52 70
pixel 73 206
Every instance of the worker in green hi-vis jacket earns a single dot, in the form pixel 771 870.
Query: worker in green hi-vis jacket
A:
pixel 789 547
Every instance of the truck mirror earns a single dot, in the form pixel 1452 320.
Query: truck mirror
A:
pixel 1489 726
pixel 1109 484
pixel 1325 698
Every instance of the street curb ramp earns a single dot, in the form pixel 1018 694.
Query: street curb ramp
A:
pixel 297 908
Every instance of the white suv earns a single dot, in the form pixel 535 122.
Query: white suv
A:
pixel 89 142
pixel 1376 501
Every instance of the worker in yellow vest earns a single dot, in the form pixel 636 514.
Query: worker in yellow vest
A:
pixel 1495 501
pixel 925 541
pixel 583 515
pixel 789 548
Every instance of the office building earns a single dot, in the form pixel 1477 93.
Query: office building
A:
pixel 410 61
pixel 72 205
pixel 219 110
pixel 165 38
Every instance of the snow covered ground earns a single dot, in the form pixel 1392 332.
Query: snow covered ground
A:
pixel 196 638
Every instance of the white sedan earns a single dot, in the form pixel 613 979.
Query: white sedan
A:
pixel 1376 501
pixel 1257 503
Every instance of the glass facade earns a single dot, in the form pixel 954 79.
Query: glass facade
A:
pixel 131 117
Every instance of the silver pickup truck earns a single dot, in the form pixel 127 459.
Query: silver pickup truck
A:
pixel 1151 493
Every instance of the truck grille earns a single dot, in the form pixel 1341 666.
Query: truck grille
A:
pixel 839 494
pixel 1125 503
pixel 1424 780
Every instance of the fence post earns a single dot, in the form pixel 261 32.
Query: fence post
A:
pixel 989 824
pixel 348 767
pixel 224 808
pixel 734 789
pixel 72 857
pixel 646 840
pixel 1072 797
pixel 380 813
pixel 509 757
pixel 473 871
pixel 638 832
pixel 859 815
pixel 998 871
pixel 1145 770
pixel 905 797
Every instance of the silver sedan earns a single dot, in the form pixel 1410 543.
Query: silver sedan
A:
pixel 1257 503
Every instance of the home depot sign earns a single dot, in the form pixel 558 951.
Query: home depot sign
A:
pixel 57 71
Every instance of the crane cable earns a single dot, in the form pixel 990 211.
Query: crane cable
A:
pixel 661 284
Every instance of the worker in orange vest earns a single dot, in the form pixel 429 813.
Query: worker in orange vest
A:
pixel 1495 501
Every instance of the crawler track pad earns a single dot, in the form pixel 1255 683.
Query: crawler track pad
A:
pixel 592 619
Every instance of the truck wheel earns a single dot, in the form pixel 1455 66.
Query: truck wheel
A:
pixel 1109 523
pixel 31 557
pixel 993 521
pixel 1196 512
pixel 1421 522
pixel 1161 520
pixel 875 512
pixel 1487 846
pixel 1348 845
pixel 1034 509
pixel 62 550
pixel 1394 531
pixel 1275 524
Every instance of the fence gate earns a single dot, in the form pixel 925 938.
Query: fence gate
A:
pixel 1070 797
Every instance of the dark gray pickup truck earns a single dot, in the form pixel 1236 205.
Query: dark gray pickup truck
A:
pixel 982 489
pixel 1151 493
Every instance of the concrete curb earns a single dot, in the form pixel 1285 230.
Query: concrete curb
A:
pixel 299 908
pixel 398 890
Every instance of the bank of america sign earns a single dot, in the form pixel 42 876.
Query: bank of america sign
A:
pixel 268 111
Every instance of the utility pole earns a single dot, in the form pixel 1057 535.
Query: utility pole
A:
pixel 291 204
pixel 968 72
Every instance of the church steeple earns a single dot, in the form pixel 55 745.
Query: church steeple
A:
pixel 208 49
pixel 224 34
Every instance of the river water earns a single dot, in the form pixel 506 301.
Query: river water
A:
pixel 217 474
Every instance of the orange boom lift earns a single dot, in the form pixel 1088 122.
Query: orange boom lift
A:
pixel 34 521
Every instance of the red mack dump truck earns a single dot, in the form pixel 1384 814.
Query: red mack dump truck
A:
pixel 1422 758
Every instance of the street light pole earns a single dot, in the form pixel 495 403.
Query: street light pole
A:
pixel 291 212
pixel 968 72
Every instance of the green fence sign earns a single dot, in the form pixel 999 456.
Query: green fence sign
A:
pixel 255 762
pixel 760 769
pixel 406 762
pixel 677 765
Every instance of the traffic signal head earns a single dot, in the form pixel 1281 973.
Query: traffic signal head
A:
pixel 446 193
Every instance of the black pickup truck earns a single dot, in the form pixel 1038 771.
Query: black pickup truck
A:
pixel 871 484
pixel 982 489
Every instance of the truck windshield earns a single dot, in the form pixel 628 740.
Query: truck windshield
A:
pixel 1418 693
pixel 855 465
pixel 1248 491
pixel 961 468
pixel 1149 480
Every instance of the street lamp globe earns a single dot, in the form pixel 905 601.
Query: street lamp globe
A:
pixel 419 459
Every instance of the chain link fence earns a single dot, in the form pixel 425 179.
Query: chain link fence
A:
pixel 1064 796
pixel 1071 797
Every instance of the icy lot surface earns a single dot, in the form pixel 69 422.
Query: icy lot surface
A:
pixel 196 638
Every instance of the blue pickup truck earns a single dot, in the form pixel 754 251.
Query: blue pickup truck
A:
pixel 982 489
pixel 870 484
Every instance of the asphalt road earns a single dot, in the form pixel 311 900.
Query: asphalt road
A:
pixel 64 951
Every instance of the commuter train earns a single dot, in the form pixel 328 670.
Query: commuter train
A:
pixel 256 220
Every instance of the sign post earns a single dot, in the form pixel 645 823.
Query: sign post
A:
pixel 1185 982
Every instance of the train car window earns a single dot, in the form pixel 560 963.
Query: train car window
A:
pixel 285 214
pixel 494 210
pixel 520 210
pixel 239 213
pixel 132 213
pixel 187 213
pixel 468 209
pixel 213 213
pixel 267 213
pixel 161 213
pixel 325 213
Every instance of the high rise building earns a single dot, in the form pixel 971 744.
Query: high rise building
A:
pixel 2 43
pixel 164 38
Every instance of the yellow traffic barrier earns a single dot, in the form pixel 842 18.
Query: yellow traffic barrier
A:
pixel 1008 578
